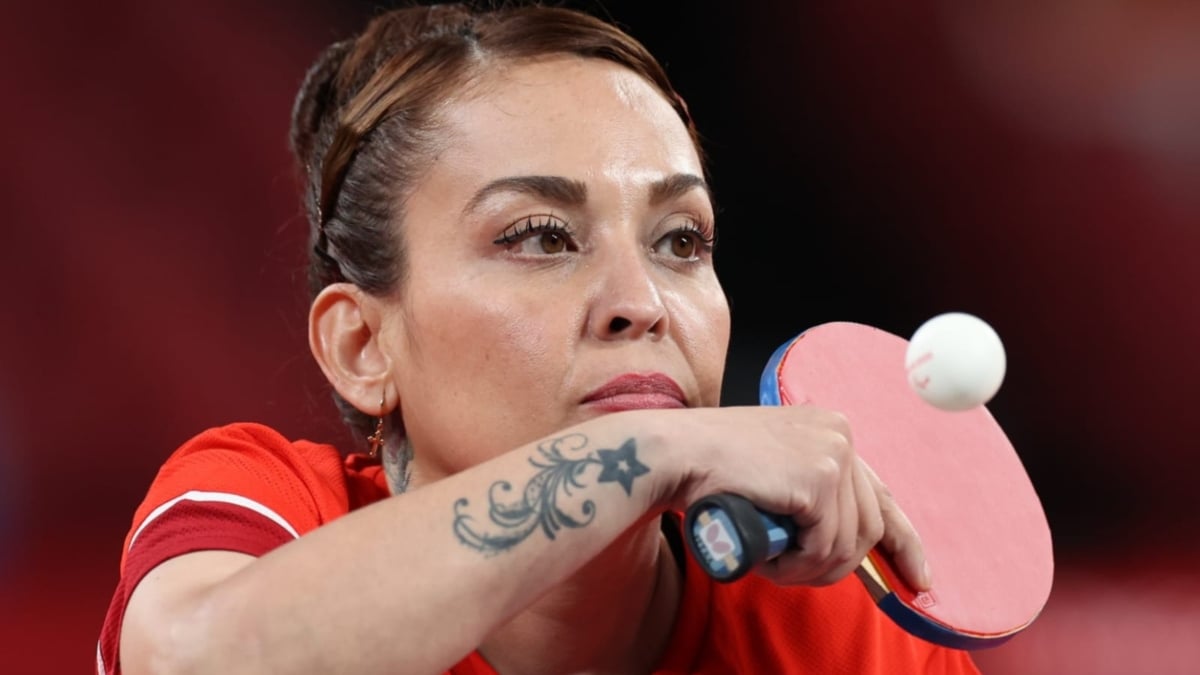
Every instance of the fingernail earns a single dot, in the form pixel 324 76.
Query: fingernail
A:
pixel 927 573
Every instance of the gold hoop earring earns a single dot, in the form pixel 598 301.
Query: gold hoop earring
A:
pixel 376 439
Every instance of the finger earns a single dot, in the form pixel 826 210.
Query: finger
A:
pixel 900 539
pixel 827 548
pixel 817 528
pixel 842 556
pixel 869 527
pixel 870 518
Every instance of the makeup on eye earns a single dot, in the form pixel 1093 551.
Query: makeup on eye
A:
pixel 683 243
pixel 553 233
pixel 692 240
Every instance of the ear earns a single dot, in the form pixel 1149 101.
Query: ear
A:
pixel 344 336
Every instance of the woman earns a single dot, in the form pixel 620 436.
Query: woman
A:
pixel 514 299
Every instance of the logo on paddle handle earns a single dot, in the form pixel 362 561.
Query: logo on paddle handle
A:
pixel 729 537
pixel 719 547
pixel 716 538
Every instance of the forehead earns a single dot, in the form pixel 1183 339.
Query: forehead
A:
pixel 566 115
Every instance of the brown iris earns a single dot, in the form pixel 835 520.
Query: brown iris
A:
pixel 683 245
pixel 553 242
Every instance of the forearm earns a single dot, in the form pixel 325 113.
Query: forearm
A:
pixel 413 583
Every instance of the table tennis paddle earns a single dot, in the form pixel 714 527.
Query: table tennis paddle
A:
pixel 956 476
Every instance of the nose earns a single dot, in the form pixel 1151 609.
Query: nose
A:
pixel 627 301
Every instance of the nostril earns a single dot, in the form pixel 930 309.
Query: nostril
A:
pixel 619 324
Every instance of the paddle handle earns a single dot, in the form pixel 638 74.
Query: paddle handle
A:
pixel 728 536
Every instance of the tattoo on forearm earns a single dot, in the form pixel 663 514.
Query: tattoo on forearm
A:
pixel 516 516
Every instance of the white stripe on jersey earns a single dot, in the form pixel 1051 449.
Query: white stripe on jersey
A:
pixel 222 497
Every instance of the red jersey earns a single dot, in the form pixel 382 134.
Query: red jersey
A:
pixel 246 488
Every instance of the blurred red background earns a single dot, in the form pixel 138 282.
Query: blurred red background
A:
pixel 1036 163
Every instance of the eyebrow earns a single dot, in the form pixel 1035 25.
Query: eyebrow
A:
pixel 568 192
pixel 556 189
pixel 676 185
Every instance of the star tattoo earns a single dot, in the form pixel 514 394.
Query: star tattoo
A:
pixel 621 466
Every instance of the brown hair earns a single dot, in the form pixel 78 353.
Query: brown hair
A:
pixel 365 122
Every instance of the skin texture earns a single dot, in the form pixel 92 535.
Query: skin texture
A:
pixel 518 336
pixel 491 347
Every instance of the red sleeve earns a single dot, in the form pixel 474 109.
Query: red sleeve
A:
pixel 240 488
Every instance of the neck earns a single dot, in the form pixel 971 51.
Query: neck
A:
pixel 615 615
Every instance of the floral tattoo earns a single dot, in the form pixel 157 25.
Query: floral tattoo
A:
pixel 515 516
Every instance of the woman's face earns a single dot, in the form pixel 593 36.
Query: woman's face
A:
pixel 558 265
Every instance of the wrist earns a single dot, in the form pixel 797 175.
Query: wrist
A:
pixel 657 449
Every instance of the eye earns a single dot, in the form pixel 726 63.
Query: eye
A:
pixel 538 235
pixel 683 244
pixel 686 243
pixel 552 242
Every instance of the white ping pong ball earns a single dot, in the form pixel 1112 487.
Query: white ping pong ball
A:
pixel 955 361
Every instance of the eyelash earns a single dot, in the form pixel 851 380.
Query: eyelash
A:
pixel 704 233
pixel 532 225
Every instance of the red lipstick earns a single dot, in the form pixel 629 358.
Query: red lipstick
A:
pixel 634 391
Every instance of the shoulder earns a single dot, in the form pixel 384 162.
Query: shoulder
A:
pixel 298 484
pixel 248 459
pixel 248 443
pixel 244 488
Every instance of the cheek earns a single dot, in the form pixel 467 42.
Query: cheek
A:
pixel 702 325
pixel 468 351
pixel 488 337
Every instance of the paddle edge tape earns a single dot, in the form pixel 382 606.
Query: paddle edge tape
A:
pixel 920 625
pixel 769 391
pixel 768 384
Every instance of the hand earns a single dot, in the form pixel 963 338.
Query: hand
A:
pixel 798 461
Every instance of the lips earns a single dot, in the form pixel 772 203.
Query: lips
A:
pixel 636 392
